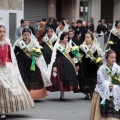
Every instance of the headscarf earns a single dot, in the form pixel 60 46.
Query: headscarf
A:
pixel 52 39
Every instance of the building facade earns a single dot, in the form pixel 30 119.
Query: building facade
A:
pixel 12 11
pixel 72 9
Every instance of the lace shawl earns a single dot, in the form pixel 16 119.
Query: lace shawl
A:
pixel 102 87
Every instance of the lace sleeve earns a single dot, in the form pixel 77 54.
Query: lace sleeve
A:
pixel 103 81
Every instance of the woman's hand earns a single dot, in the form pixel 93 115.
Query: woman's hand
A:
pixel 54 69
pixel 111 86
pixel 77 68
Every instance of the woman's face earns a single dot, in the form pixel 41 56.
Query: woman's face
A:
pixel 118 25
pixel 79 24
pixel 26 37
pixel 88 39
pixel 89 23
pixel 71 34
pixel 65 39
pixel 111 59
pixel 49 33
pixel 60 25
pixel 2 33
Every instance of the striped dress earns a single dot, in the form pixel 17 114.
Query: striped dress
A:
pixel 10 103
pixel 13 94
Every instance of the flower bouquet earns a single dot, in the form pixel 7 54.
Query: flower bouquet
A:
pixel 35 53
pixel 111 42
pixel 115 76
pixel 116 79
pixel 77 55
pixel 98 60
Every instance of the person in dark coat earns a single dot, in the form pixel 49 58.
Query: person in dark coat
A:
pixel 80 31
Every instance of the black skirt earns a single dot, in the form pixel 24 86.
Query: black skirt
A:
pixel 108 110
pixel 87 75
pixel 32 79
pixel 116 47
pixel 47 53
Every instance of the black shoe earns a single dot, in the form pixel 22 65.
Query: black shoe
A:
pixel 3 118
pixel 62 99
pixel 87 96
pixel 91 94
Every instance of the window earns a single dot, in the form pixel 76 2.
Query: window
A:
pixel 85 9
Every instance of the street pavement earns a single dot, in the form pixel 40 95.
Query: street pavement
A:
pixel 51 108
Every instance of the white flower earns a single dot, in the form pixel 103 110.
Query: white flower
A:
pixel 75 60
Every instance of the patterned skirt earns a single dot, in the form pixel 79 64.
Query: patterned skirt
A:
pixel 10 103
pixel 97 114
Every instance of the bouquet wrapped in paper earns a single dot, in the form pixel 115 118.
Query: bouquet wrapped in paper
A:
pixel 35 53
pixel 78 56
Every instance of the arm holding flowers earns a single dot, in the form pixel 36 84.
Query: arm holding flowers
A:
pixel 77 55
pixel 103 85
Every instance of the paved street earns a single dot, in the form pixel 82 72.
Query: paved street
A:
pixel 51 108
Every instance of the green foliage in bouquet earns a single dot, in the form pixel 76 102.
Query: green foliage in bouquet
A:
pixel 116 79
pixel 77 55
pixel 35 53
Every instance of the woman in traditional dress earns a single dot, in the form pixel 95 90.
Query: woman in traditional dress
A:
pixel 114 40
pixel 49 41
pixel 63 77
pixel 87 74
pixel 61 28
pixel 106 98
pixel 41 33
pixel 13 93
pixel 28 56
pixel 71 38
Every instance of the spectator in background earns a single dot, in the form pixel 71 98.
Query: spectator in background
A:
pixel 109 26
pixel 18 32
pixel 61 28
pixel 71 38
pixel 80 31
pixel 55 21
pixel 44 20
pixel 90 27
pixel 73 25
pixel 27 23
pixel 67 24
pixel 52 24
pixel 41 33
pixel 37 27
pixel 101 28
pixel 104 23
pixel 92 23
